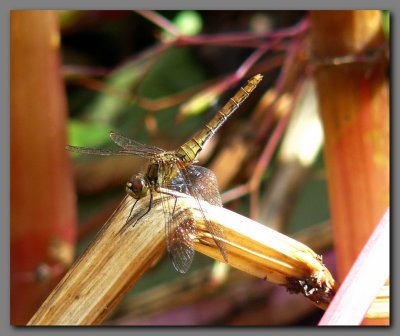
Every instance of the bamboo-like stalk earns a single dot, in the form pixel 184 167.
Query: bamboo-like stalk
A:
pixel 42 196
pixel 116 259
pixel 354 108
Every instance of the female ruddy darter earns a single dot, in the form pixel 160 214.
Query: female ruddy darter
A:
pixel 174 170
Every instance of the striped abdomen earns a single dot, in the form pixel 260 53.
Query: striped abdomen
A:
pixel 190 149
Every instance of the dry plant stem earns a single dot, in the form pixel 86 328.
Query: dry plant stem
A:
pixel 257 250
pixel 108 268
pixel 380 308
pixel 197 286
pixel 115 260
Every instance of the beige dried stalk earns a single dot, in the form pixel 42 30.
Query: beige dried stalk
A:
pixel 117 258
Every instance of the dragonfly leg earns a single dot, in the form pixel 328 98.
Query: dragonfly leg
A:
pixel 129 218
pixel 147 211
pixel 149 208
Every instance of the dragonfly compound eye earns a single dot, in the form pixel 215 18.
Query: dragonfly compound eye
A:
pixel 137 187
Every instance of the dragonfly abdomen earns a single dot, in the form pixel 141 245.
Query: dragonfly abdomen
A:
pixel 190 149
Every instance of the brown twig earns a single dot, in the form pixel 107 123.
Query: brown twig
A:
pixel 116 260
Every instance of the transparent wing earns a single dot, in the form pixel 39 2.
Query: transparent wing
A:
pixel 202 184
pixel 205 183
pixel 178 234
pixel 101 151
pixel 134 146
pixel 96 151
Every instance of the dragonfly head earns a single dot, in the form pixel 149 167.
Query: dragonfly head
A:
pixel 137 187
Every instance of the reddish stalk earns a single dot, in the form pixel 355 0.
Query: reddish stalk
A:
pixel 160 21
pixel 42 197
pixel 288 68
pixel 249 63
pixel 240 39
pixel 354 108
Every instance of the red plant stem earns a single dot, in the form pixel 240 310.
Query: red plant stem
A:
pixel 235 193
pixel 282 79
pixel 268 152
pixel 242 39
pixel 160 21
pixel 252 185
pixel 246 65
pixel 240 73
pixel 77 71
pixel 153 51
pixel 229 38
pixel 184 41
pixel 367 275
pixel 243 36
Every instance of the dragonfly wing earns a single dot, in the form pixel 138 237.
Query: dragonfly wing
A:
pixel 96 151
pixel 201 184
pixel 205 183
pixel 134 146
pixel 178 234
pixel 102 151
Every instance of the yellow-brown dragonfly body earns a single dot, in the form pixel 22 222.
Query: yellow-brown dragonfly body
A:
pixel 174 170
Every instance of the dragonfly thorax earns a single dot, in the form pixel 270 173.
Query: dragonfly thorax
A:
pixel 137 186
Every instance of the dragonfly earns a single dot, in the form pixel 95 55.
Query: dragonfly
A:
pixel 175 170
